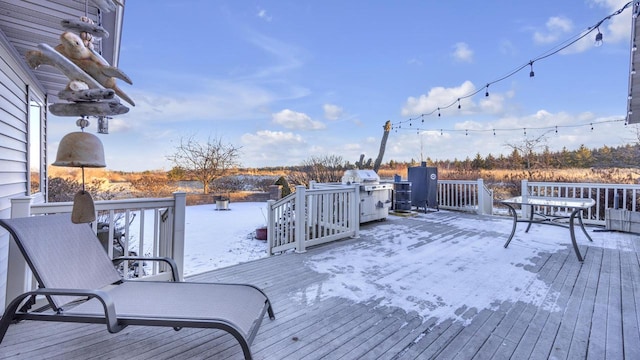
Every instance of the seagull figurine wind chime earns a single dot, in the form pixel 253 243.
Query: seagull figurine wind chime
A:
pixel 91 91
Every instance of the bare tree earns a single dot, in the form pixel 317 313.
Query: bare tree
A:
pixel 527 147
pixel 324 169
pixel 205 162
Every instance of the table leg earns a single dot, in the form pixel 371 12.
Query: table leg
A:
pixel 530 218
pixel 573 233
pixel 512 211
pixel 582 227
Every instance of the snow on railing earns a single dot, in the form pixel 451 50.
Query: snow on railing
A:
pixel 465 195
pixel 623 196
pixel 327 213
pixel 150 227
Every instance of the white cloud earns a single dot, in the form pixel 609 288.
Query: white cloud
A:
pixel 262 14
pixel 332 112
pixel 441 97
pixel 615 30
pixel 274 148
pixel 295 120
pixel 462 52
pixel 555 29
pixel 268 137
pixel 618 27
pixel 414 61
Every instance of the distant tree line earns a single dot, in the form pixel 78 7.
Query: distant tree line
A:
pixel 605 157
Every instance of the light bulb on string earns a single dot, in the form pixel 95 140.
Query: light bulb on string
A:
pixel 494 132
pixel 556 129
pixel 525 131
pixel 422 116
pixel 486 94
pixel 440 132
pixel 466 132
pixel 591 126
pixel 439 112
pixel 598 38
pixel 459 103
pixel 531 73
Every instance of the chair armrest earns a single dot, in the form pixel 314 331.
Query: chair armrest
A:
pixel 174 267
pixel 102 296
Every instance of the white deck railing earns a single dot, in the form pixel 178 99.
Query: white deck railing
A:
pixel 622 196
pixel 158 231
pixel 325 213
pixel 465 195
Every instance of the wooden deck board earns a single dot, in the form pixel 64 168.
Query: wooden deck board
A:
pixel 589 310
pixel 629 312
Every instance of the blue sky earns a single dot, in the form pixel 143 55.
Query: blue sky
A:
pixel 287 80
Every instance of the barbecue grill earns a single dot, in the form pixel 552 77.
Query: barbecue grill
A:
pixel 375 197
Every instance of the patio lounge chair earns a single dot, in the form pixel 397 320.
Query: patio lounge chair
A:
pixel 80 284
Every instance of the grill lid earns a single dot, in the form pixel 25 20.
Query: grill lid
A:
pixel 360 177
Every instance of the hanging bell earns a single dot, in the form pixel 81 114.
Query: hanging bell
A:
pixel 84 210
pixel 80 149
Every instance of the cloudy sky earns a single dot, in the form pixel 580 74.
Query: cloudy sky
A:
pixel 287 80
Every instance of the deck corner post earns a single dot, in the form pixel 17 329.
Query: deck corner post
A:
pixel 19 276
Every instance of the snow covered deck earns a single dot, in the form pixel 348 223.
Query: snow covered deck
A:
pixel 438 285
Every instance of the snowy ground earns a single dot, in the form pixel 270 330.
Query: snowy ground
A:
pixel 434 278
pixel 220 238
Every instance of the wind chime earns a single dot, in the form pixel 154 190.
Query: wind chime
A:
pixel 91 91
pixel 81 149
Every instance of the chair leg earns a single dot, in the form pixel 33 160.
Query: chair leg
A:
pixel 10 314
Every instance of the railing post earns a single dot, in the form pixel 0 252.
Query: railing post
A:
pixel 354 211
pixel 179 212
pixel 271 220
pixel 524 192
pixel 300 219
pixel 19 277
pixel 482 198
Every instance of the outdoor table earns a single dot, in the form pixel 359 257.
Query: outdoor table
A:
pixel 573 204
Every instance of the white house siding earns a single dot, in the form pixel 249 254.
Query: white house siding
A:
pixel 15 84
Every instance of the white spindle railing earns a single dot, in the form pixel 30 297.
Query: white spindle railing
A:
pixel 162 236
pixel 465 195
pixel 311 217
pixel 605 195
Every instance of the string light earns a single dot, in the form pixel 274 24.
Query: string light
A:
pixel 531 73
pixel 494 131
pixel 598 38
pixel 545 55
